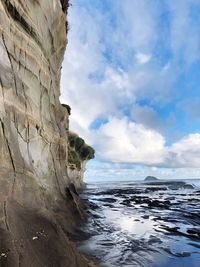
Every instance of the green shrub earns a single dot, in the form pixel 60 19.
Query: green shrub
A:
pixel 78 150
pixel 73 158
pixel 79 142
pixel 72 139
pixel 72 143
pixel 91 152
pixel 86 152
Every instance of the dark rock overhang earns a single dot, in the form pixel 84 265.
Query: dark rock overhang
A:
pixel 65 5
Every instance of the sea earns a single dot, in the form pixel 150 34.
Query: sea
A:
pixel 143 223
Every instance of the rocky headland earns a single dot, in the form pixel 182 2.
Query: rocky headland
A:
pixel 39 204
pixel 150 179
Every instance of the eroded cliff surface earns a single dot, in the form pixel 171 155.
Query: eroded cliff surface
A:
pixel 37 211
pixel 78 155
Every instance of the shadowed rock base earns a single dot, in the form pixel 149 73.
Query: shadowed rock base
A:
pixel 35 237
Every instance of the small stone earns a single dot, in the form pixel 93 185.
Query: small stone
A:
pixel 34 237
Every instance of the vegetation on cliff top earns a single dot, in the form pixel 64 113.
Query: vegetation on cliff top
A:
pixel 78 151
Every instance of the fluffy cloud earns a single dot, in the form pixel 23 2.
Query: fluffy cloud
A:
pixel 122 66
pixel 186 152
pixel 120 140
pixel 123 141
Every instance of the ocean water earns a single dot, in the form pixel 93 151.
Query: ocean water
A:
pixel 147 224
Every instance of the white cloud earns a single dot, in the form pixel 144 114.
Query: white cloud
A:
pixel 91 84
pixel 104 75
pixel 122 141
pixel 186 152
pixel 138 23
pixel 184 30
pixel 142 58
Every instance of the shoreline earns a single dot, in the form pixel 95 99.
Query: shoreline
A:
pixel 143 224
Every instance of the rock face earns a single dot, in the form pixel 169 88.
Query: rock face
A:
pixel 35 216
pixel 76 176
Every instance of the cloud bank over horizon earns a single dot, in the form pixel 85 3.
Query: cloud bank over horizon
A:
pixel 131 74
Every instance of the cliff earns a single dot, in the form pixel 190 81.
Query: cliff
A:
pixel 38 206
pixel 78 155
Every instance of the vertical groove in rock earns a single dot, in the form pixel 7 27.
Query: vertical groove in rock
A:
pixel 8 146
pixel 4 42
pixel 5 216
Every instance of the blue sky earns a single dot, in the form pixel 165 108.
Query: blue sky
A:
pixel 131 75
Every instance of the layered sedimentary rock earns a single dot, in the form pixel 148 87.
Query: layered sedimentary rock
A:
pixel 38 208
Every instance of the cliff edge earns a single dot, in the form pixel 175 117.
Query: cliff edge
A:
pixel 39 207
pixel 78 155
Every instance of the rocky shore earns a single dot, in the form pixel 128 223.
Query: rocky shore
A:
pixel 147 224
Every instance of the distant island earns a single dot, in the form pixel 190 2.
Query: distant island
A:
pixel 150 178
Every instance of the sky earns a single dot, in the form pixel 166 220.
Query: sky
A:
pixel 131 75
